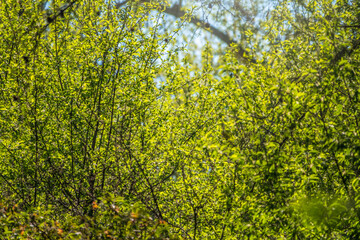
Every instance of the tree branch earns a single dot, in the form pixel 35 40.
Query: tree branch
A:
pixel 176 11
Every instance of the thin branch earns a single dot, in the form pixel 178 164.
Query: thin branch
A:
pixel 350 26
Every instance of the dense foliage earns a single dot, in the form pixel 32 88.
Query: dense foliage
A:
pixel 106 131
pixel 113 219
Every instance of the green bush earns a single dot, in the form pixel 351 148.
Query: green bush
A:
pixel 112 219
